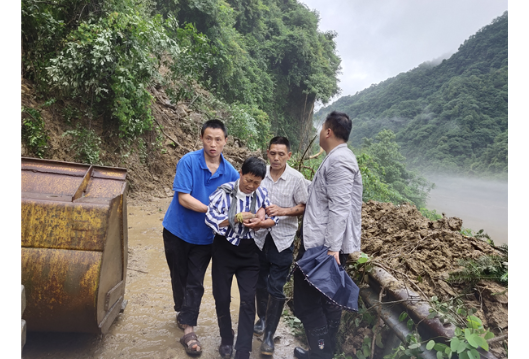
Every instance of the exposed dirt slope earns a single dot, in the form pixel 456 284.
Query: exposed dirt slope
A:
pixel 150 173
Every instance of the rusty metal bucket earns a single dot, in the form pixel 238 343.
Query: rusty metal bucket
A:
pixel 74 245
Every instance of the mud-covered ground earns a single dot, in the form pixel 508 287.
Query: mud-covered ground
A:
pixel 147 327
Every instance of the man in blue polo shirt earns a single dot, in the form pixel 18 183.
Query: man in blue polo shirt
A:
pixel 187 239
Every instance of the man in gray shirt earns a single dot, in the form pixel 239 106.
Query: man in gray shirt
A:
pixel 332 219
pixel 288 195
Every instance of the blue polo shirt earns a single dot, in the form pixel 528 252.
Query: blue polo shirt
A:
pixel 194 177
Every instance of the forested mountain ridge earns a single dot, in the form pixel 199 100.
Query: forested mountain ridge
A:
pixel 447 117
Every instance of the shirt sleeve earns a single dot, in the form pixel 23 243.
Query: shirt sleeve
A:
pixel 300 192
pixel 218 211
pixel 266 203
pixel 183 180
pixel 340 175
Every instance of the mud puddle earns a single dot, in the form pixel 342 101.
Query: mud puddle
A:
pixel 147 328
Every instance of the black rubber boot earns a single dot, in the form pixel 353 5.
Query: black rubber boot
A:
pixel 319 343
pixel 273 314
pixel 261 299
pixel 242 354
pixel 333 326
pixel 301 353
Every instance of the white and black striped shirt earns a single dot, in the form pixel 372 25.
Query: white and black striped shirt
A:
pixel 219 204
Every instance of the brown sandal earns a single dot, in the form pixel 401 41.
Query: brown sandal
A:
pixel 188 338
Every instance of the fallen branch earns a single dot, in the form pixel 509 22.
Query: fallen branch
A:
pixel 499 338
pixel 317 154
pixel 169 137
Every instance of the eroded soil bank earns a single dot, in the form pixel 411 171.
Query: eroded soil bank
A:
pixel 147 327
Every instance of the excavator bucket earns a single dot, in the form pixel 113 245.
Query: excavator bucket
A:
pixel 74 245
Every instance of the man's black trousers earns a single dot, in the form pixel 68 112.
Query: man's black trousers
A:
pixel 311 307
pixel 187 265
pixel 243 262
pixel 273 268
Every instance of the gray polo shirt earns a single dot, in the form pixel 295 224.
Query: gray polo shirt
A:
pixel 333 213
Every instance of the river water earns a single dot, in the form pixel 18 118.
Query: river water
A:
pixel 481 204
pixel 147 328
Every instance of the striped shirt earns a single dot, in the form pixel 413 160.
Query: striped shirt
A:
pixel 289 191
pixel 219 204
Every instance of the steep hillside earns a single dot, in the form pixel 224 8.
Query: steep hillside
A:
pixel 450 116
pixel 150 161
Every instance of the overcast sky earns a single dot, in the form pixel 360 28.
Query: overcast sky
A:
pixel 378 39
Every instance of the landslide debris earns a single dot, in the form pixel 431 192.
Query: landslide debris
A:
pixel 424 252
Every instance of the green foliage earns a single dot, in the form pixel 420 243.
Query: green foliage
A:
pixel 451 116
pixel 264 53
pixel 264 59
pixel 387 175
pixel 360 270
pixel 33 132
pixel 294 323
pixel 486 267
pixel 111 61
pixel 465 342
pixel 432 215
pixel 249 123
pixel 450 311
pixel 86 144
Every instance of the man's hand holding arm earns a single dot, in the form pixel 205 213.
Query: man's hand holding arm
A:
pixel 274 210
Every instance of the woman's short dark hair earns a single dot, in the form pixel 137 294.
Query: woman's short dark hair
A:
pixel 280 140
pixel 214 124
pixel 255 166
pixel 340 124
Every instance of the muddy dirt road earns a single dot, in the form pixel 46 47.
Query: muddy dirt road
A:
pixel 147 328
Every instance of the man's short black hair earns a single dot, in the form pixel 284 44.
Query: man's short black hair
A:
pixel 280 140
pixel 340 124
pixel 214 124
pixel 255 166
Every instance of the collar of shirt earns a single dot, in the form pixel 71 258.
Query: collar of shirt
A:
pixel 204 166
pixel 242 196
pixel 283 176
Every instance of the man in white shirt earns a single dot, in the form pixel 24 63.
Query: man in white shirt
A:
pixel 288 194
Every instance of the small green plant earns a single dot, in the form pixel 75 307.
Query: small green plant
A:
pixel 467 232
pixel 33 131
pixel 86 144
pixel 294 323
pixel 452 311
pixel 142 150
pixel 70 113
pixel 486 267
pixel 432 215
pixel 361 268
pixel 465 342
pixel 365 352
